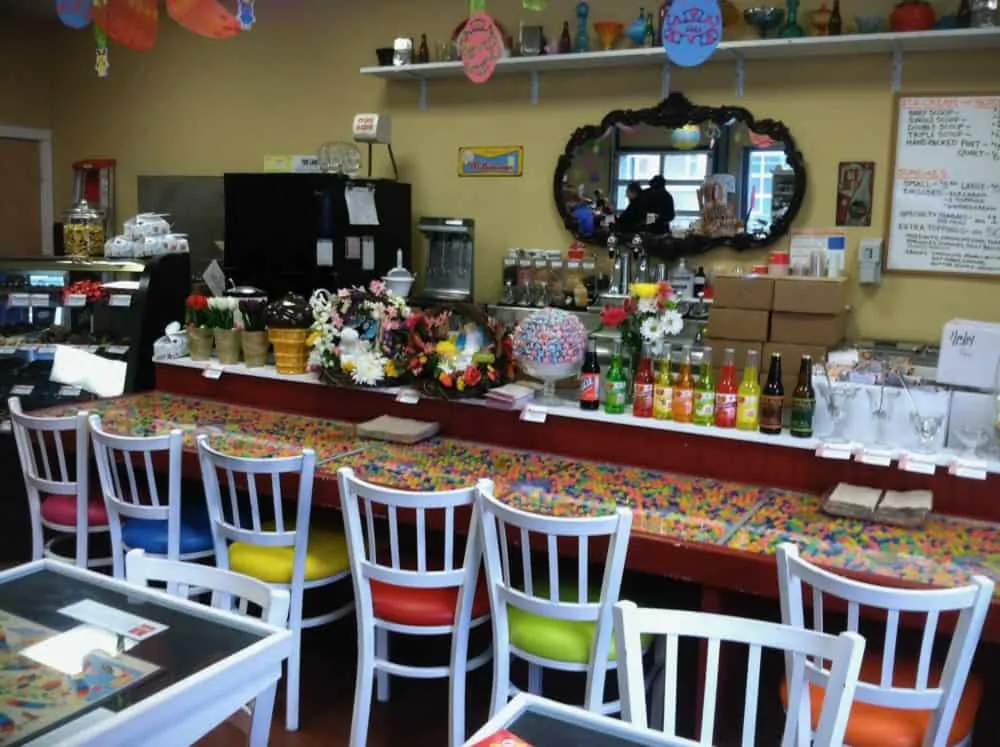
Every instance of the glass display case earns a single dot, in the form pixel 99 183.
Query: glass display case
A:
pixel 113 308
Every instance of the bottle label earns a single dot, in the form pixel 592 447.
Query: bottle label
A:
pixel 770 411
pixel 590 387
pixel 662 401
pixel 683 403
pixel 725 409
pixel 615 394
pixel 747 406
pixel 704 405
pixel 802 416
pixel 642 399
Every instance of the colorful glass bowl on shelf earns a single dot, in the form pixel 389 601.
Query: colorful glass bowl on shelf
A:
pixel 608 32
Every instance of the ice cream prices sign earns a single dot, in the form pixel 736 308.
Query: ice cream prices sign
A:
pixel 692 30
pixel 492 160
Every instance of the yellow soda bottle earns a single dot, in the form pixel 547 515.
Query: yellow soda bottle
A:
pixel 748 395
pixel 663 390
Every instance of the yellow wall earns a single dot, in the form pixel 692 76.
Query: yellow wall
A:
pixel 26 75
pixel 194 106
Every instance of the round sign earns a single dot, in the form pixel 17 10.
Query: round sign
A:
pixel 692 29
pixel 480 46
pixel 74 13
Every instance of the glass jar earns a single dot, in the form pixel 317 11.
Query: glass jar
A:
pixel 83 231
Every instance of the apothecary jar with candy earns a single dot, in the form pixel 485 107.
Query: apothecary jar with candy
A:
pixel 83 230
pixel 549 346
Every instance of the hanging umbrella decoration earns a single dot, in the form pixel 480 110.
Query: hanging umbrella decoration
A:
pixel 135 23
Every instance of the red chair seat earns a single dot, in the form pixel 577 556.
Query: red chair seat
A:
pixel 874 726
pixel 61 509
pixel 406 605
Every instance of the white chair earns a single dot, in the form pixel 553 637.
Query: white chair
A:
pixel 543 621
pixel 226 588
pixel 58 488
pixel 281 550
pixel 898 701
pixel 843 652
pixel 425 597
pixel 139 515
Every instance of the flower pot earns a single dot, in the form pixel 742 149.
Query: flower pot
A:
pixel 255 347
pixel 227 345
pixel 291 356
pixel 200 343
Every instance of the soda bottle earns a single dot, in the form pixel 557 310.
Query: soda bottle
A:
pixel 642 389
pixel 772 400
pixel 726 392
pixel 590 379
pixel 704 391
pixel 748 395
pixel 803 400
pixel 663 390
pixel 615 384
pixel 683 401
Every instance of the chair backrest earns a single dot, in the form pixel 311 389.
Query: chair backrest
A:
pixel 844 652
pixel 510 566
pixel 240 514
pixel 228 588
pixel 41 450
pixel 892 690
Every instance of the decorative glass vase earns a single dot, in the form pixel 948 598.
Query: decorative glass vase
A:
pixel 200 343
pixel 792 29
pixel 255 347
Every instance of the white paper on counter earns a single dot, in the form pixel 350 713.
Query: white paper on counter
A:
pixel 361 210
pixel 100 376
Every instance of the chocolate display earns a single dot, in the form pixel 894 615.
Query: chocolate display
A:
pixel 290 312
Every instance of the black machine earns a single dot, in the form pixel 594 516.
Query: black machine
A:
pixel 293 232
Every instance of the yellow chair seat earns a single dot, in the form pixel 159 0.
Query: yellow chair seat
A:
pixel 326 556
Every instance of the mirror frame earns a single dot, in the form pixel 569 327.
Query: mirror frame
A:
pixel 673 112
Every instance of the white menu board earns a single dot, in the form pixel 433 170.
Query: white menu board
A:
pixel 945 215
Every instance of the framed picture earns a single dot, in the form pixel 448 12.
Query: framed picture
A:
pixel 854 193
pixel 491 160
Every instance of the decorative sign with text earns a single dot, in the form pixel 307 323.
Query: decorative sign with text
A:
pixel 480 46
pixel 692 30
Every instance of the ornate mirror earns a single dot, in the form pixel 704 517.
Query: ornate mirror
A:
pixel 686 177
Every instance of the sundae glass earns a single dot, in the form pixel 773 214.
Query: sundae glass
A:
pixel 838 397
pixel 881 401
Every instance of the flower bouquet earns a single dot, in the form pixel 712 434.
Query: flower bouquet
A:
pixel 253 336
pixel 645 318
pixel 199 332
pixel 222 314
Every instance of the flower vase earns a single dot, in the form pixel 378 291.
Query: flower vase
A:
pixel 291 356
pixel 227 345
pixel 200 343
pixel 792 29
pixel 255 347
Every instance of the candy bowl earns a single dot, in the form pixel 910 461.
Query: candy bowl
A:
pixel 549 374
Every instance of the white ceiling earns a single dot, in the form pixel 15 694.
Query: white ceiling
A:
pixel 45 9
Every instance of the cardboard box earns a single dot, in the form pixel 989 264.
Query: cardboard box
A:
pixel 791 354
pixel 738 324
pixel 739 346
pixel 820 330
pixel 810 295
pixel 742 292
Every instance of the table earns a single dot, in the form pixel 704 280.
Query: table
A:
pixel 546 723
pixel 207 664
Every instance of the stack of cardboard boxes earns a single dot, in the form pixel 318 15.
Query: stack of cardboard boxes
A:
pixel 788 315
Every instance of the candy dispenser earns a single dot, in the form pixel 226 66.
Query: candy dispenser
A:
pixel 83 231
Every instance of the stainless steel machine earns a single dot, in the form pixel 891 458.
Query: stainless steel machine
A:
pixel 449 269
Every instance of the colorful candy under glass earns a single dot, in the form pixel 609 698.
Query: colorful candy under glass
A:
pixel 550 336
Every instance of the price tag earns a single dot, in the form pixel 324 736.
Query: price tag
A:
pixel 834 451
pixel 76 300
pixel 534 414
pixel 121 300
pixel 39 300
pixel 921 464
pixel 69 391
pixel 875 457
pixel 212 373
pixel 26 348
pixel 968 468
pixel 116 349
pixel 50 349
pixel 5 427
pixel 22 390
pixel 19 300
pixel 91 348
pixel 8 351
pixel 408 396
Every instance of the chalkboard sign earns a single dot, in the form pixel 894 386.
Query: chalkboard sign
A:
pixel 945 206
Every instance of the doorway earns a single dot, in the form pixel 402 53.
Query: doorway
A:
pixel 26 210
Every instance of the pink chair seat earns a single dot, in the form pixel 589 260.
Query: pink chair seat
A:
pixel 61 509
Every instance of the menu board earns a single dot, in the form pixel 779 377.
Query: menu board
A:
pixel 945 215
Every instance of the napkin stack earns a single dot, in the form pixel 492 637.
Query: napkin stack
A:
pixel 397 430
pixel 900 508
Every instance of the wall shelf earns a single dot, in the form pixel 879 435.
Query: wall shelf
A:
pixel 738 52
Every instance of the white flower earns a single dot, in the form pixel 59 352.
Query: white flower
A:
pixel 651 329
pixel 671 323
pixel 369 368
pixel 646 306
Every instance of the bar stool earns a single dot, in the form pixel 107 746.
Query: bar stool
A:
pixel 901 703
pixel 58 497
pixel 139 515
pixel 564 625
pixel 283 551
pixel 428 597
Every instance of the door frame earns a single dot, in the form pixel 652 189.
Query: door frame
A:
pixel 46 196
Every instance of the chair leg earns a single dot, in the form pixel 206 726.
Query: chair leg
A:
pixel 292 682
pixel 535 679
pixel 456 685
pixel 263 712
pixel 658 685
pixel 363 687
pixel 382 652
pixel 501 678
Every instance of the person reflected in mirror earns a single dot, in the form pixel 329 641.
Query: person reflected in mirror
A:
pixel 633 217
pixel 658 206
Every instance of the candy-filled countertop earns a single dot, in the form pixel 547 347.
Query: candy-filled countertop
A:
pixel 726 518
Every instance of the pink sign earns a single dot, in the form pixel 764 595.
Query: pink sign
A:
pixel 480 45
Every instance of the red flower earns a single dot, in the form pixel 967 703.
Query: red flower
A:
pixel 612 316
pixel 412 321
pixel 197 303
pixel 663 289
pixel 472 376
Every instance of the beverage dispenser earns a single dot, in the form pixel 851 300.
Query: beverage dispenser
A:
pixel 448 273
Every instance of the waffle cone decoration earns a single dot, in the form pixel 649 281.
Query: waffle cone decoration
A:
pixel 291 356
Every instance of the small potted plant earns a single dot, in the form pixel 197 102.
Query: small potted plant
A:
pixel 254 336
pixel 222 318
pixel 199 332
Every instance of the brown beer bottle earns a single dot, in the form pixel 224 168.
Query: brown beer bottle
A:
pixel 772 399
pixel 803 400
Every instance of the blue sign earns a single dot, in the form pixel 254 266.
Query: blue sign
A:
pixel 692 30
pixel 74 13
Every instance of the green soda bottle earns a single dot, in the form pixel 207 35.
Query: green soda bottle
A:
pixel 615 384
pixel 704 391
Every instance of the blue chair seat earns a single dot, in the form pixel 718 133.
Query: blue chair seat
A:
pixel 151 535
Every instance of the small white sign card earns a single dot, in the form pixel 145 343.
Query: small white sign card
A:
pixel 131 626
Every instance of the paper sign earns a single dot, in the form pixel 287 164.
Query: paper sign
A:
pixel 46 349
pixel 76 300
pixel 109 618
pixel 834 451
pixel 480 46
pixel 971 469
pixel 921 464
pixel 215 278
pixel 116 349
pixel 212 373
pixel 39 300
pixel 324 253
pixel 74 13
pixel 875 457
pixel 692 29
pixel 408 396
pixel 69 391
pixel 8 351
pixel 18 300
pixel 534 414
pixel 22 390
pixel 120 300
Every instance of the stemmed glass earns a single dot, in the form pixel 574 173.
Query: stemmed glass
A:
pixel 881 401
pixel 838 397
pixel 973 438
pixel 927 427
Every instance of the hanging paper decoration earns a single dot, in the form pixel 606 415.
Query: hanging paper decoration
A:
pixel 74 13
pixel 760 141
pixel 204 17
pixel 102 62
pixel 686 137
pixel 692 29
pixel 131 23
pixel 245 14
pixel 480 46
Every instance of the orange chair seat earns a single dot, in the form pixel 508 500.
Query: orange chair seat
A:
pixel 874 726
pixel 406 605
